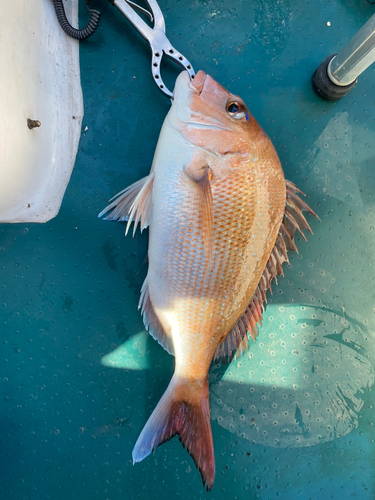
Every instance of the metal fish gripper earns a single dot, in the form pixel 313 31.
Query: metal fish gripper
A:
pixel 159 43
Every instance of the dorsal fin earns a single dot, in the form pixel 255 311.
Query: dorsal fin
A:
pixel 151 321
pixel 132 204
pixel 236 342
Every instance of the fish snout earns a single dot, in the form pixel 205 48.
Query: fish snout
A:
pixel 199 81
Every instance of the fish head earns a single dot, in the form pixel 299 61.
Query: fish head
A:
pixel 210 117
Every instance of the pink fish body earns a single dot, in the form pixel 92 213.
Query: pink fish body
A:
pixel 221 218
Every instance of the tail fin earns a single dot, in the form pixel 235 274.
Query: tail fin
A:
pixel 183 410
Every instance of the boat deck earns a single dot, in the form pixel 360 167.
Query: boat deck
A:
pixel 294 418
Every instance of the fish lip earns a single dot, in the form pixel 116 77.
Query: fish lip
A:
pixel 198 83
pixel 192 86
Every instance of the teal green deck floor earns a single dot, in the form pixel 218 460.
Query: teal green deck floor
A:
pixel 292 419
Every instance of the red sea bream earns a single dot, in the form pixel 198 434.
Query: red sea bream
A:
pixel 221 218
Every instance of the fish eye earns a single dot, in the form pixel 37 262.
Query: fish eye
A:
pixel 233 108
pixel 236 110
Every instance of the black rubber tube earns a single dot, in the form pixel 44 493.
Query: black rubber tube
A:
pixel 324 86
pixel 77 34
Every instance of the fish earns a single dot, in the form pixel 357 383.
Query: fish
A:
pixel 221 220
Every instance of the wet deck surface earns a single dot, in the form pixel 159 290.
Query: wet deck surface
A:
pixel 292 419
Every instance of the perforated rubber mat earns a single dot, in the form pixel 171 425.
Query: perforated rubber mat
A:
pixel 294 417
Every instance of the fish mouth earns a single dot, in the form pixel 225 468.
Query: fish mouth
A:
pixel 185 86
pixel 198 82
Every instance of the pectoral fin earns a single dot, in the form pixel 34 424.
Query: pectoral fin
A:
pixel 200 179
pixel 133 204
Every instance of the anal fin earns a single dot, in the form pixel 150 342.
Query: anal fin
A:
pixel 151 321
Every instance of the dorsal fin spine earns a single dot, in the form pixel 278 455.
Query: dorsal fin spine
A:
pixel 279 267
pixel 298 215
pixel 294 223
pixel 290 193
pixel 266 280
pixel 281 247
pixel 259 297
pixel 262 291
pixel 258 306
pixel 271 268
pixel 290 245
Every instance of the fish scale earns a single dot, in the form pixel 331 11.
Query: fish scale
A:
pixel 221 218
